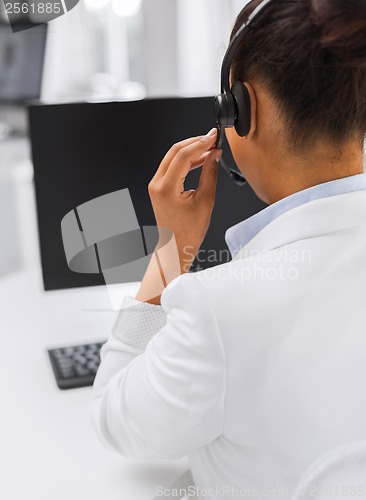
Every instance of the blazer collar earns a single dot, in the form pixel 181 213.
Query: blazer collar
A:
pixel 239 235
pixel 315 218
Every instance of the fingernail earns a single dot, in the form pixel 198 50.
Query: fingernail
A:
pixel 218 156
pixel 212 132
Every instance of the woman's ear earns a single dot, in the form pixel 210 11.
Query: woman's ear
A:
pixel 253 111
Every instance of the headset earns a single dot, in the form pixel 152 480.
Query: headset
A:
pixel 232 106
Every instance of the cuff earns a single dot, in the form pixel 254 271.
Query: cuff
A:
pixel 138 322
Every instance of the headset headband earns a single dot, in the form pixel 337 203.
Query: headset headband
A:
pixel 226 65
pixel 232 106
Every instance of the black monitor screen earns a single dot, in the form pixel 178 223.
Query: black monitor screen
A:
pixel 83 151
pixel 21 63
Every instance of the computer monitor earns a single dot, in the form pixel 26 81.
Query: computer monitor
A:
pixel 21 63
pixel 84 151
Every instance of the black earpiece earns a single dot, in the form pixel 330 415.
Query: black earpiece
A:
pixel 232 109
pixel 243 114
pixel 232 106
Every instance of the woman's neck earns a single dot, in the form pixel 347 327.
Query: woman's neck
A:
pixel 297 174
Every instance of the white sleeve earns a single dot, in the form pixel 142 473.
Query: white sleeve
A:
pixel 166 400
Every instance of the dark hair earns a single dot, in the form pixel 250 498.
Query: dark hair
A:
pixel 311 56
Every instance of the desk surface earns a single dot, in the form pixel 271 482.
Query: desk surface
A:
pixel 48 447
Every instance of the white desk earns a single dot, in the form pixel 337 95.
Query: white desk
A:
pixel 48 449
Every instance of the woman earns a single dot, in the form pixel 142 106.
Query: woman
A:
pixel 256 367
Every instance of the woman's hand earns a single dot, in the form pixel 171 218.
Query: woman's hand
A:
pixel 186 214
pixel 183 214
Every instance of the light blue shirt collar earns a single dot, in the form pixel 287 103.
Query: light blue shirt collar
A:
pixel 239 235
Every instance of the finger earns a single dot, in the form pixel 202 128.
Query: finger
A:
pixel 186 157
pixel 164 165
pixel 200 161
pixel 208 179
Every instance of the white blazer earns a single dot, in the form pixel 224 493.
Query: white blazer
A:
pixel 260 367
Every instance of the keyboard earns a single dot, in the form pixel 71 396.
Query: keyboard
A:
pixel 75 366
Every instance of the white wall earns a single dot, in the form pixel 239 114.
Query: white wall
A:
pixel 159 38
pixel 72 55
pixel 203 31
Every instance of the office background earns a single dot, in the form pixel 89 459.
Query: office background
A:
pixel 165 47
pixel 109 49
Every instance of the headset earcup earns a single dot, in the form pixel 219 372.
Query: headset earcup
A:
pixel 241 96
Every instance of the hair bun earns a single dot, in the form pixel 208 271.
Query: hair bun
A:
pixel 342 25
